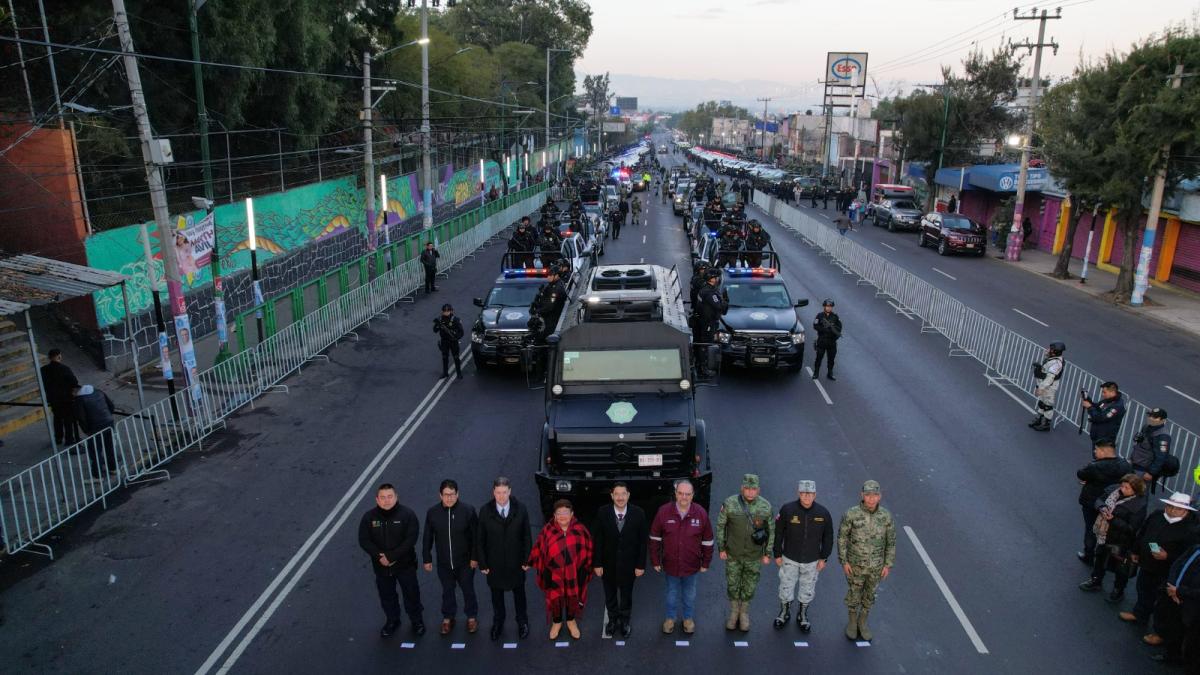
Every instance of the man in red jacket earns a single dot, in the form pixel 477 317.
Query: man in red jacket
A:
pixel 681 544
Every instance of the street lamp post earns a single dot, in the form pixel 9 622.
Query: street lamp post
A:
pixel 548 50
pixel 256 285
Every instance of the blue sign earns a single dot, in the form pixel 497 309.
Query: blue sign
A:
pixel 614 110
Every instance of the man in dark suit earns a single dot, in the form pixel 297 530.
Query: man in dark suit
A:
pixel 619 538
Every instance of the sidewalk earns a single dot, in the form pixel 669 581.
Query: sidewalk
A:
pixel 1171 307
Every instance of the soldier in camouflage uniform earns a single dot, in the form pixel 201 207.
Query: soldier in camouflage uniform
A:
pixel 744 552
pixel 866 551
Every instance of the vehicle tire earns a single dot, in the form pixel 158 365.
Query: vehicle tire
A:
pixel 942 249
pixel 920 240
pixel 981 252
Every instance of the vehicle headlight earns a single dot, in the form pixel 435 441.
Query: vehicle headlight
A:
pixel 685 385
pixel 562 486
pixel 798 338
pixel 476 337
pixel 557 390
pixel 723 337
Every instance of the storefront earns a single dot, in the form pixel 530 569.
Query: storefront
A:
pixel 982 190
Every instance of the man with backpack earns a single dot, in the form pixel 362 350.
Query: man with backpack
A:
pixel 1151 456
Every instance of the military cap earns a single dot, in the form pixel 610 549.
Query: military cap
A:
pixel 871 487
pixel 750 480
pixel 807 486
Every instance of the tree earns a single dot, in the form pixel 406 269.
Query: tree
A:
pixel 699 119
pixel 595 88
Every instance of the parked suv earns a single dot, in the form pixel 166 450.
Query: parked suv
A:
pixel 899 213
pixel 881 192
pixel 953 233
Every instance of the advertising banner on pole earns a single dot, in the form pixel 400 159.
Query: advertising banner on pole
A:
pixel 194 244
pixel 846 68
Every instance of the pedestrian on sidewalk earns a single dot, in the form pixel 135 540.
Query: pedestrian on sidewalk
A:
pixel 1164 536
pixel 1151 448
pixel 745 539
pixel 94 410
pixel 619 536
pixel 1106 415
pixel 681 545
pixel 1095 479
pixel 561 557
pixel 952 205
pixel 449 330
pixel 388 533
pixel 502 548
pixel 803 544
pixel 829 330
pixel 450 529
pixel 60 383
pixel 866 551
pixel 429 261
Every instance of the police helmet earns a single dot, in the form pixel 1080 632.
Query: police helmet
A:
pixel 563 267
pixel 1057 348
pixel 827 303
pixel 755 224
pixel 700 266
pixel 712 273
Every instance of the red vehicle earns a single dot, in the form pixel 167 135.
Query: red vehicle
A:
pixel 953 233
pixel 887 191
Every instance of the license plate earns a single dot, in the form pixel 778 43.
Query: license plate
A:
pixel 649 460
pixel 970 245
pixel 762 359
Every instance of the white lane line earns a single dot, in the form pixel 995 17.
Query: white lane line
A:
pixel 887 245
pixel 1182 394
pixel 329 526
pixel 938 271
pixel 643 238
pixel 641 260
pixel 828 401
pixel 941 584
pixel 1043 323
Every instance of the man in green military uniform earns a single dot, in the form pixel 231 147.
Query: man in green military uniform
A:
pixel 744 539
pixel 866 551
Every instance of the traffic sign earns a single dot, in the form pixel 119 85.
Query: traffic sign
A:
pixel 614 110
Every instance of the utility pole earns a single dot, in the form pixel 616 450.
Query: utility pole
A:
pixel 12 14
pixel 1141 278
pixel 1012 251
pixel 205 156
pixel 763 138
pixel 53 69
pixel 152 157
pixel 368 151
pixel 426 170
pixel 548 50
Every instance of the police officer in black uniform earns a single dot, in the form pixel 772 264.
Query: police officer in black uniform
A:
pixel 756 240
pixel 712 305
pixel 730 244
pixel 550 239
pixel 829 329
pixel 449 331
pixel 550 299
pixel 523 241
pixel 699 280
pixel 549 209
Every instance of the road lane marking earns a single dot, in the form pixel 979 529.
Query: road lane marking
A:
pixel 641 260
pixel 1043 323
pixel 821 389
pixel 1182 394
pixel 643 238
pixel 941 584
pixel 800 644
pixel 741 643
pixel 939 271
pixel 888 245
pixel 329 526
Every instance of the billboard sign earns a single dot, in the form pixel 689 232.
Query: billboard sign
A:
pixel 627 103
pixel 846 68
pixel 614 111
pixel 617 127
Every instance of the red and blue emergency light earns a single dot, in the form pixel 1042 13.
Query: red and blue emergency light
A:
pixel 526 272
pixel 755 272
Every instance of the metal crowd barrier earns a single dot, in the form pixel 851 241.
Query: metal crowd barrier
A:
pixel 134 450
pixel 1005 354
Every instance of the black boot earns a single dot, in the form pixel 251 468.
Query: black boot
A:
pixel 1037 421
pixel 802 619
pixel 785 614
pixel 1091 585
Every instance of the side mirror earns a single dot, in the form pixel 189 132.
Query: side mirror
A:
pixel 802 302
pixel 478 302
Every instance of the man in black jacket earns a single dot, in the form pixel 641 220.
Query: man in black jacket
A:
pixel 450 525
pixel 449 330
pixel 619 538
pixel 829 329
pixel 803 544
pixel 502 546
pixel 1164 536
pixel 94 411
pixel 429 258
pixel 1098 475
pixel 1105 415
pixel 1179 612
pixel 60 383
pixel 388 533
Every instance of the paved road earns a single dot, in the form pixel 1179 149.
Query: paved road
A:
pixel 247 557
pixel 1141 355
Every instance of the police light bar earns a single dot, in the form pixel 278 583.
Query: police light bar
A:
pixel 757 272
pixel 526 272
pixel 713 235
pixel 567 233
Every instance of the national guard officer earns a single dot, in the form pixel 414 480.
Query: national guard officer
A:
pixel 449 330
pixel 1047 373
pixel 745 539
pixel 866 551
pixel 803 544
pixel 829 330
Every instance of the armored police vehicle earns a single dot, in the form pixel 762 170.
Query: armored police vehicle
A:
pixel 620 402
pixel 761 329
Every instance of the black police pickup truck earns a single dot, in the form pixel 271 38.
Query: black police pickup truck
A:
pixel 498 334
pixel 761 328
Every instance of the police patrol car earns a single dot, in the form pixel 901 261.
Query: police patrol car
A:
pixel 761 328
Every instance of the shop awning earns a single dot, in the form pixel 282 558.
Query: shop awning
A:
pixel 1003 177
pixel 32 280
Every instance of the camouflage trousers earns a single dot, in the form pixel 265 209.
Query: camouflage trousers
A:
pixel 741 578
pixel 797 580
pixel 861 585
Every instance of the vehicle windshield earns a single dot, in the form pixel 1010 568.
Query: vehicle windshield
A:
pixel 773 296
pixel 512 296
pixel 904 204
pixel 621 364
pixel 958 223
